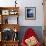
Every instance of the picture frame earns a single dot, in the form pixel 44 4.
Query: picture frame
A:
pixel 5 12
pixel 30 13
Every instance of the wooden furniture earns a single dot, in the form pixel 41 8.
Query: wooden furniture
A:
pixel 44 4
pixel 10 43
pixel 8 11
pixel 6 24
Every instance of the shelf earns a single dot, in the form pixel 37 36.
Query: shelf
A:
pixel 9 10
pixel 5 12
pixel 10 26
pixel 4 8
pixel 11 41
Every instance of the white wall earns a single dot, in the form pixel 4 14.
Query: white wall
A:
pixel 39 12
pixel 27 3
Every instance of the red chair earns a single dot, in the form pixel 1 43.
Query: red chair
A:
pixel 29 33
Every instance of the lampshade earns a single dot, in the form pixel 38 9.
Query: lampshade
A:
pixel 15 30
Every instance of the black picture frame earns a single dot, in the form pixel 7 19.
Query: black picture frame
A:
pixel 30 13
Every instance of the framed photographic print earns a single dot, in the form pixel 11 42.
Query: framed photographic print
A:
pixel 5 12
pixel 30 13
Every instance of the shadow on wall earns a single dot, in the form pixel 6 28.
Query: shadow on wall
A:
pixel 37 29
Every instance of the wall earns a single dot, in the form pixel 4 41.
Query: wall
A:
pixel 39 12
pixel 27 3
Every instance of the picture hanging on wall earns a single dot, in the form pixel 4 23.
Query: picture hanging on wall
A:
pixel 30 13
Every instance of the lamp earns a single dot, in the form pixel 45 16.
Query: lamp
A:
pixel 15 35
pixel 15 30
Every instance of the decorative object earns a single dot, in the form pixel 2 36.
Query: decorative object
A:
pixel 15 30
pixel 5 12
pixel 15 3
pixel 13 12
pixel 30 13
